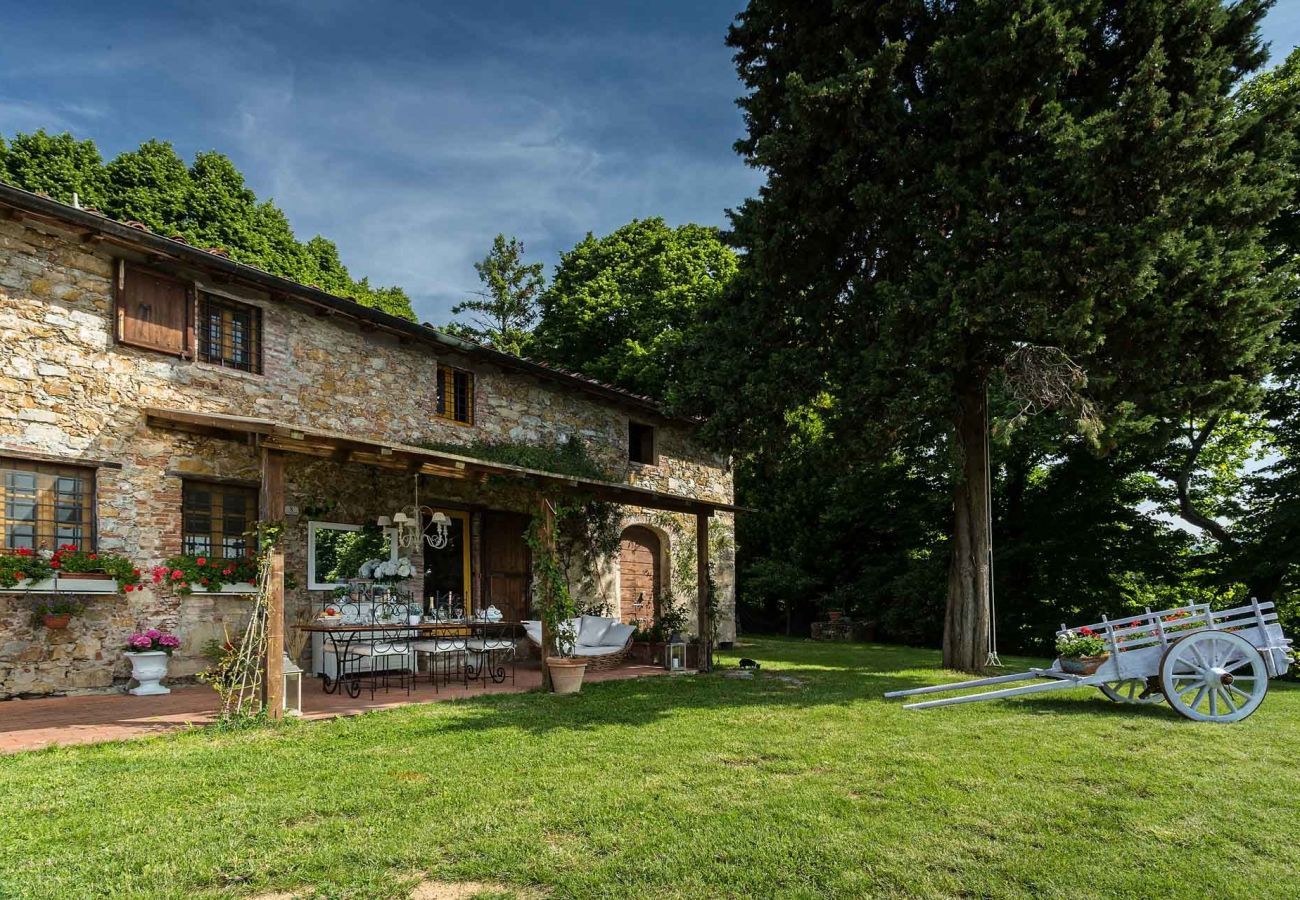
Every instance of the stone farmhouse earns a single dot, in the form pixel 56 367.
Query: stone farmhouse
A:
pixel 146 385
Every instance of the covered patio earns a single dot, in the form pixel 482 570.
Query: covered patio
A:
pixel 274 443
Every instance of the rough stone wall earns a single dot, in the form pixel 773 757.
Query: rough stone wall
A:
pixel 68 390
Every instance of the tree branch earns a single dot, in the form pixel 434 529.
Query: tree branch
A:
pixel 1182 481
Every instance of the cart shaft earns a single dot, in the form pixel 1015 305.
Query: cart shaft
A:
pixel 978 682
pixel 1054 684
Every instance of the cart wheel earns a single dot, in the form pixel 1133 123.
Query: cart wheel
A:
pixel 1131 690
pixel 1213 676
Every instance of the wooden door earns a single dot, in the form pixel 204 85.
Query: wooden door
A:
pixel 505 564
pixel 639 577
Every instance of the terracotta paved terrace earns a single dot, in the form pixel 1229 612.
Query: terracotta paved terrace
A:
pixel 91 718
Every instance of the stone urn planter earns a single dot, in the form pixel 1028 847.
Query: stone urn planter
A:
pixel 566 673
pixel 148 669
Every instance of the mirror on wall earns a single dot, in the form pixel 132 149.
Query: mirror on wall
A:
pixel 335 551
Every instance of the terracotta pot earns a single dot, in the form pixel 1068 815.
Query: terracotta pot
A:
pixel 85 576
pixel 1082 665
pixel 835 615
pixel 56 620
pixel 566 673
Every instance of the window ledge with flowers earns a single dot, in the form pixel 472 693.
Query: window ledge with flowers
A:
pixel 67 570
pixel 187 574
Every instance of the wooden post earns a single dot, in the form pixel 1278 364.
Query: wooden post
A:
pixel 272 511
pixel 702 587
pixel 546 536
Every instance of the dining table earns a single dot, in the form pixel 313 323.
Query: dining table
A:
pixel 343 636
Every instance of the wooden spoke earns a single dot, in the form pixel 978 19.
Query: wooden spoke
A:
pixel 1217 693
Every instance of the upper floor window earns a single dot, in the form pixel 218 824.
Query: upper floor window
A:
pixel 154 311
pixel 230 333
pixel 216 519
pixel 46 506
pixel 641 443
pixel 456 395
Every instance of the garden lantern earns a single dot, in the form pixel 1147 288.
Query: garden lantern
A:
pixel 675 656
pixel 292 671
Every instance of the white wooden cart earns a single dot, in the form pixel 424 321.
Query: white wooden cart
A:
pixel 1209 666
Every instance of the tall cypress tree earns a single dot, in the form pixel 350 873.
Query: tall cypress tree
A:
pixel 1057 193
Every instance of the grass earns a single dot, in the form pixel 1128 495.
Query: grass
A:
pixel 680 787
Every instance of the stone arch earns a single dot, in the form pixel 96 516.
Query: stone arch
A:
pixel 642 568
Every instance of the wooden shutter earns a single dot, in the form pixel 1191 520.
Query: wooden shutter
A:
pixel 154 311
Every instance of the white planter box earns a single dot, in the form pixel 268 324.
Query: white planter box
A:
pixel 65 585
pixel 238 587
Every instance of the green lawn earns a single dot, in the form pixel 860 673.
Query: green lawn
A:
pixel 693 787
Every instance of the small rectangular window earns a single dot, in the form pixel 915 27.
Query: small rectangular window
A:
pixel 46 506
pixel 216 519
pixel 641 443
pixel 230 333
pixel 455 395
pixel 153 311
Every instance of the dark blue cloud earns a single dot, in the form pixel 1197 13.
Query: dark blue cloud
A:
pixel 412 133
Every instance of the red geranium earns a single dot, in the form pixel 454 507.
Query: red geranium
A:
pixel 202 560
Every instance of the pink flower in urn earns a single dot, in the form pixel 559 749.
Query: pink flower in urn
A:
pixel 153 634
pixel 169 642
pixel 140 642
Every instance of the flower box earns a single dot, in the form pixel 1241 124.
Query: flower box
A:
pixel 237 587
pixel 73 583
pixel 1082 665
pixel 85 583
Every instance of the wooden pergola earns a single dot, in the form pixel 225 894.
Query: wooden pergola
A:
pixel 274 440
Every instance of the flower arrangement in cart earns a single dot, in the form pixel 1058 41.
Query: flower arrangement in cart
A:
pixel 1081 652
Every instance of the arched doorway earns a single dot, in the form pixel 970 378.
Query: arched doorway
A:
pixel 639 576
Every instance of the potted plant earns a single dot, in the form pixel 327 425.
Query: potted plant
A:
pixel 149 652
pixel 555 608
pixel 56 612
pixel 1081 652
pixel 188 573
pixel 25 569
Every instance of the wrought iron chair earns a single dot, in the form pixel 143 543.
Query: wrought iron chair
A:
pixel 493 645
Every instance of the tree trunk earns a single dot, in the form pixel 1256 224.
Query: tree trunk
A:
pixel 966 625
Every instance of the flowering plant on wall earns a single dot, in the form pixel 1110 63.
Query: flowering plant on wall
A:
pixel 151 640
pixel 69 560
pixel 189 573
pixel 386 571
pixel 22 568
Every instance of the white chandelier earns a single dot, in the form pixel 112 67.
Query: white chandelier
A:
pixel 407 521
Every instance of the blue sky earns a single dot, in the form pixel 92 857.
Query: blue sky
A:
pixel 411 133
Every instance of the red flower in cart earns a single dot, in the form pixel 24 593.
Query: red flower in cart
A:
pixel 1086 632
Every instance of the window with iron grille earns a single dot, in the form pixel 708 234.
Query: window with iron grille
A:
pixel 230 333
pixel 455 395
pixel 46 506
pixel 216 519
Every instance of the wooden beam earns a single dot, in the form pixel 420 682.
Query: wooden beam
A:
pixel 702 587
pixel 272 511
pixel 546 533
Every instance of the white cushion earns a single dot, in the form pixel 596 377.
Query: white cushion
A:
pixel 592 629
pixel 441 645
pixel 534 632
pixel 618 633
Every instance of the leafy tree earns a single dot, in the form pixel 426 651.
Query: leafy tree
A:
pixel 1052 196
pixel 149 185
pixel 619 306
pixel 207 203
pixel 505 310
pixel 56 165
